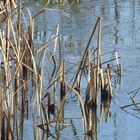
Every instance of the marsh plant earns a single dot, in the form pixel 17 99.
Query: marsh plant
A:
pixel 59 2
pixel 33 80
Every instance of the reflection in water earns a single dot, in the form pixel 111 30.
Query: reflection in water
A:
pixel 40 35
pixel 93 125
pixel 117 16
pixel 133 24
pixel 115 126
pixel 105 108
pixel 73 128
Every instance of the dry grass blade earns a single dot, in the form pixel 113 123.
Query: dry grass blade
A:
pixel 1 106
pixel 98 52
pixel 84 56
pixel 62 80
pixel 82 107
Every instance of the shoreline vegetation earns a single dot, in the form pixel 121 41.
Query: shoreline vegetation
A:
pixel 51 3
pixel 33 83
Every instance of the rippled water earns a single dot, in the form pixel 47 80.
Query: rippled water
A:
pixel 121 31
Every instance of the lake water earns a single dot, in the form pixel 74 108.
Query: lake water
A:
pixel 121 31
